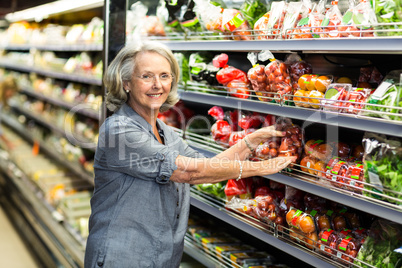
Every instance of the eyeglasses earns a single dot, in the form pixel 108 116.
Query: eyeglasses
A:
pixel 151 78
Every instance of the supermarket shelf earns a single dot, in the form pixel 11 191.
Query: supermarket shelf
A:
pixel 238 222
pixel 55 47
pixel 193 251
pixel 54 74
pixel 73 138
pixel 87 112
pixel 333 119
pixel 358 201
pixel 62 244
pixel 356 45
pixel 352 200
pixel 17 127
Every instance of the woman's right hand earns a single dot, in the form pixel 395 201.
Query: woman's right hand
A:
pixel 274 165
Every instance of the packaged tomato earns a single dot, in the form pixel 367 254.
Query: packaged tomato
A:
pixel 327 241
pixel 292 142
pixel 278 80
pixel 356 100
pixel 257 78
pixel 276 17
pixel 332 19
pixel 261 27
pixel 269 149
pixel 338 173
pixel 335 96
pixel 300 220
pixel 292 17
pixel 355 173
pixel 266 208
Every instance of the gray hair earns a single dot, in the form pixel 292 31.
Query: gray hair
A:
pixel 122 67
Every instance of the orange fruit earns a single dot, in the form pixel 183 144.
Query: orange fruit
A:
pixel 299 93
pixel 310 85
pixel 315 94
pixel 322 83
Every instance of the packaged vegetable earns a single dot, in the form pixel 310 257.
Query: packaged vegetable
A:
pixel 387 98
pixel 292 17
pixel 382 247
pixel 210 15
pixel 239 188
pixel 292 142
pixel 261 28
pixel 234 22
pixel 331 21
pixel 356 100
pixel 215 189
pixel 327 239
pixel 298 69
pixel 243 259
pixel 335 96
pixel 383 167
pixel 278 80
pixel 276 17
pixel 252 10
pixel 389 15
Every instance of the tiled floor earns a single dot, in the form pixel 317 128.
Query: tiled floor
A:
pixel 13 253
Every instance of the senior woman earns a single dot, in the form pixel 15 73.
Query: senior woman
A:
pixel 143 169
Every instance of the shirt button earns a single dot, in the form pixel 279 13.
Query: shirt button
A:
pixel 100 263
pixel 177 189
pixel 178 215
pixel 163 178
pixel 177 203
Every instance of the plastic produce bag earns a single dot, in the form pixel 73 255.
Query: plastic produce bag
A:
pixel 390 12
pixel 239 188
pixel 383 167
pixel 252 10
pixel 389 96
pixel 383 246
pixel 234 22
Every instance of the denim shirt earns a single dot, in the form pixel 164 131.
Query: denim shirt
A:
pixel 139 217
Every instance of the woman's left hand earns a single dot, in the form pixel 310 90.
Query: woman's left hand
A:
pixel 264 134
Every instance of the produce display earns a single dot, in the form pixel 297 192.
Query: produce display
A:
pixel 261 20
pixel 65 193
pixel 82 64
pixel 33 33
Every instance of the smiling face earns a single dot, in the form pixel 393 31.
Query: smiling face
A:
pixel 146 97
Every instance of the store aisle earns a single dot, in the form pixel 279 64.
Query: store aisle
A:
pixel 13 253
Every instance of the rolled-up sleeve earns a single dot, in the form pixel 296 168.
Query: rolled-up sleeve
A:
pixel 128 148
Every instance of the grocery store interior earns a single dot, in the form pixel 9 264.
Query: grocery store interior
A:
pixel 328 74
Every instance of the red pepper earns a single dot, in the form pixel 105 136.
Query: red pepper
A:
pixel 220 61
pixel 230 73
pixel 221 131
pixel 216 112
pixel 250 121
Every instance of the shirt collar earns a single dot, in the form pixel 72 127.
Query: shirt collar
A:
pixel 126 110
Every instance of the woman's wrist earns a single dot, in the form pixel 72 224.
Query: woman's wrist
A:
pixel 253 140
